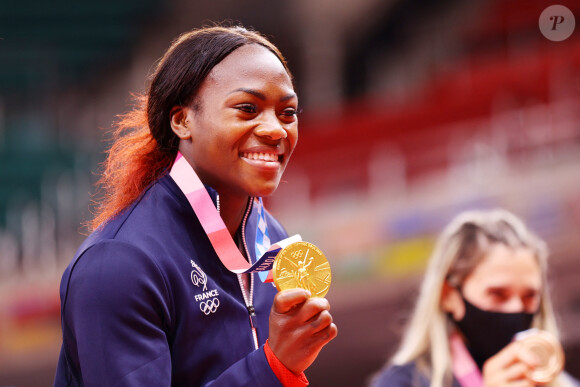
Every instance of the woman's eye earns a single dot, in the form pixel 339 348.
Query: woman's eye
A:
pixel 247 108
pixel 289 112
pixel 498 295
pixel 530 298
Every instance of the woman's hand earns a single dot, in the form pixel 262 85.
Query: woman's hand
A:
pixel 511 366
pixel 299 327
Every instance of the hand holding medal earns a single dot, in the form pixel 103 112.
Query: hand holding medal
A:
pixel 302 276
pixel 547 351
pixel 302 265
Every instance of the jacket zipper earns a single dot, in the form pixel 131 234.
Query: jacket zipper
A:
pixel 248 298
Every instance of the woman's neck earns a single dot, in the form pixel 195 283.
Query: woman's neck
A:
pixel 232 211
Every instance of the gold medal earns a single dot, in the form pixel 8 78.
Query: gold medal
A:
pixel 302 265
pixel 548 351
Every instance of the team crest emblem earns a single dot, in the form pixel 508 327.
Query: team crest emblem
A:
pixel 208 300
pixel 198 277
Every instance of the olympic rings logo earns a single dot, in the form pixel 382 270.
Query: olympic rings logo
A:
pixel 297 254
pixel 209 306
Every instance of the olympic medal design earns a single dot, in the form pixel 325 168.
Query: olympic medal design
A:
pixel 548 351
pixel 302 265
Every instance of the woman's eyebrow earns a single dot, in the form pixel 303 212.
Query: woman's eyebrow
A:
pixel 287 97
pixel 261 95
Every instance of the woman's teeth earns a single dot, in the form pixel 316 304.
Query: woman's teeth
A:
pixel 261 156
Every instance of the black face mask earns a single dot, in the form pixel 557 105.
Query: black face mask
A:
pixel 487 332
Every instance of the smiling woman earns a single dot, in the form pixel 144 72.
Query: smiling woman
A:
pixel 151 298
pixel 239 132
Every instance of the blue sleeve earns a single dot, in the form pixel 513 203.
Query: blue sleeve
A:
pixel 572 381
pixel 251 371
pixel 406 375
pixel 115 313
pixel 399 376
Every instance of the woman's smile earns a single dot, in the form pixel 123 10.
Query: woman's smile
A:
pixel 266 158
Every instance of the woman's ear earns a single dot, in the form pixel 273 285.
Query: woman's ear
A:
pixel 451 301
pixel 179 122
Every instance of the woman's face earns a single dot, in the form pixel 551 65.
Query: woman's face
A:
pixel 243 128
pixel 506 280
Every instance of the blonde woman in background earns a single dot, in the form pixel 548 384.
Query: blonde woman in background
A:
pixel 486 281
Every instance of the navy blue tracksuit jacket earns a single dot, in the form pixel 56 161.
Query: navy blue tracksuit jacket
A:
pixel 147 302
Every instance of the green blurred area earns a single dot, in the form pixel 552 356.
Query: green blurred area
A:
pixel 47 48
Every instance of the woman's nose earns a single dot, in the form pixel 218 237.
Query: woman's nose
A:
pixel 514 305
pixel 271 128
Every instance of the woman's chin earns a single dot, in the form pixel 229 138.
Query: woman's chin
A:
pixel 265 189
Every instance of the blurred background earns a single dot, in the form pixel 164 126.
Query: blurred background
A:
pixel 413 111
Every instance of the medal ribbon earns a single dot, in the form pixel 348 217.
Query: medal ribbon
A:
pixel 262 238
pixel 464 367
pixel 227 251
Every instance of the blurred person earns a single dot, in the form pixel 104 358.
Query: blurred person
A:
pixel 486 281
pixel 148 299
